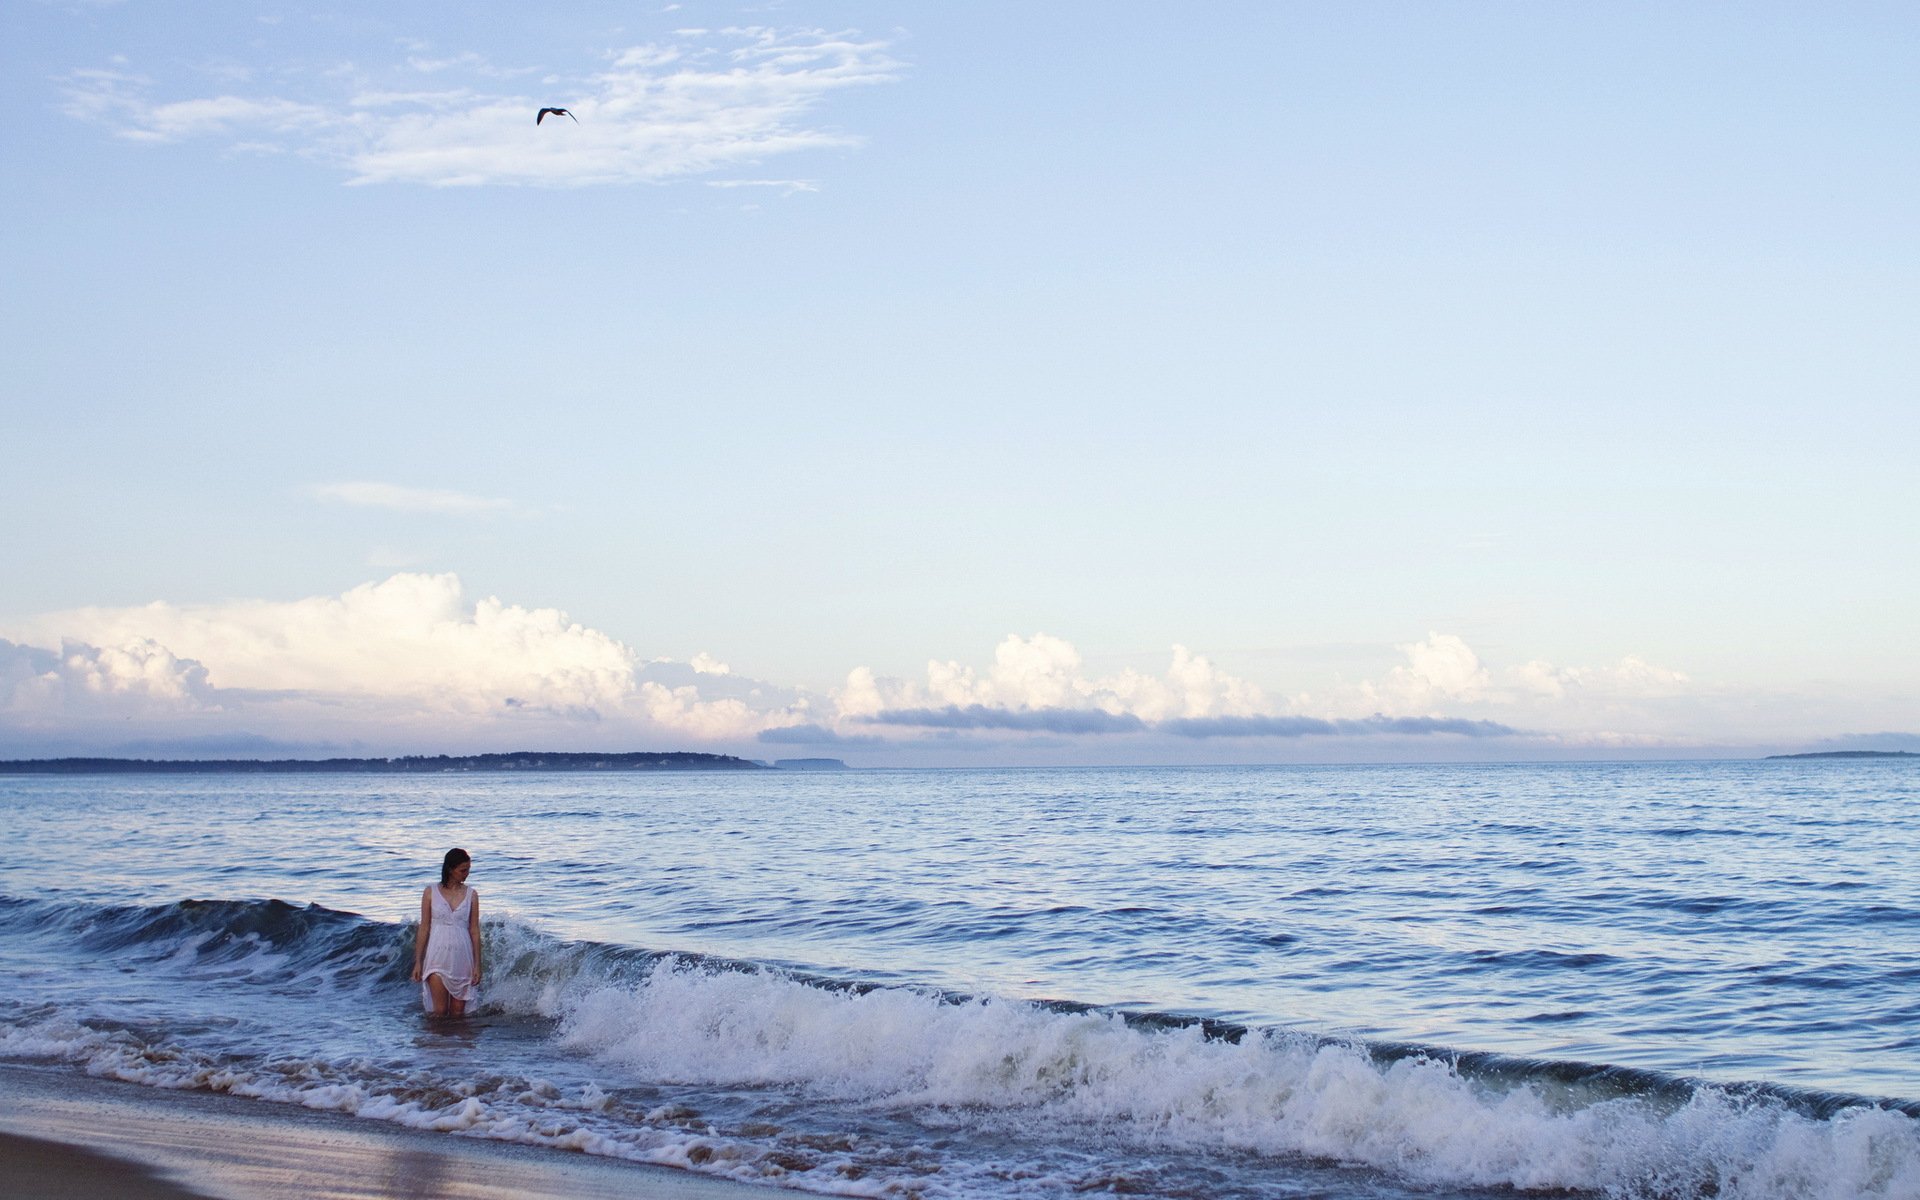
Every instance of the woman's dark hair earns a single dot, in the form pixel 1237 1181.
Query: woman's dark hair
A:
pixel 454 858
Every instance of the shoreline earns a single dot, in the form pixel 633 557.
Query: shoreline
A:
pixel 38 1167
pixel 66 1134
pixel 498 763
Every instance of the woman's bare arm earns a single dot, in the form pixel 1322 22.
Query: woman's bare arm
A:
pixel 473 932
pixel 420 939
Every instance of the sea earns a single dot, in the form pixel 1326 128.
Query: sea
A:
pixel 1646 980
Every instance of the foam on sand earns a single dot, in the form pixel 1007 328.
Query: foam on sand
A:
pixel 91 1137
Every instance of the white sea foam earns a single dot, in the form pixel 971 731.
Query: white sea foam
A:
pixel 998 1065
pixel 1270 1094
pixel 530 1112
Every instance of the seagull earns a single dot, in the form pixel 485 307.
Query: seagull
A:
pixel 558 112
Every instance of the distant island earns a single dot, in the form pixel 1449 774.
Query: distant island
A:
pixel 809 764
pixel 1850 754
pixel 416 764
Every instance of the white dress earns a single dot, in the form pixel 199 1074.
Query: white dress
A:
pixel 449 949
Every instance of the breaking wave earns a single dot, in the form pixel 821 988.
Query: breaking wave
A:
pixel 1427 1115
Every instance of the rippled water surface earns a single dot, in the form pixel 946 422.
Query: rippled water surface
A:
pixel 1741 923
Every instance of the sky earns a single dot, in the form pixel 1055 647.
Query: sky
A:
pixel 960 385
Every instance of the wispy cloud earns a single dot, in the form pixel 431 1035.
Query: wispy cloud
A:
pixel 699 102
pixel 227 116
pixel 811 733
pixel 786 187
pixel 477 64
pixel 1888 740
pixel 366 494
pixel 1026 720
pixel 1374 726
pixel 1095 721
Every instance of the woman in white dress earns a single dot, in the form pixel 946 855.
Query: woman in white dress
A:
pixel 446 954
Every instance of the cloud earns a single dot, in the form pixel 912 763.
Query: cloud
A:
pixel 1095 721
pixel 411 664
pixel 699 102
pixel 1441 669
pixel 86 699
pixel 1444 672
pixel 1037 684
pixel 21 665
pixel 811 734
pixel 407 662
pixel 1281 726
pixel 1028 720
pixel 132 676
pixel 1909 742
pixel 238 744
pixel 221 115
pixel 406 499
pixel 1042 672
pixel 1631 678
pixel 469 61
pixel 683 710
pixel 410 637
pixel 787 187
pixel 722 684
pixel 1033 672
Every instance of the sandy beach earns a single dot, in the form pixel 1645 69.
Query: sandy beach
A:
pixel 68 1136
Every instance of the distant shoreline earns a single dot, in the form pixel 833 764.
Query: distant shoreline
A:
pixel 415 764
pixel 1849 754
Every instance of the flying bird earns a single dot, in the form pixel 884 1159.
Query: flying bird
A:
pixel 558 112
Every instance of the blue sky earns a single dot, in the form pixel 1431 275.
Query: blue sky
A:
pixel 996 383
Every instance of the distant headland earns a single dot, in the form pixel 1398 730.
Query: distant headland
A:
pixel 417 764
pixel 1850 754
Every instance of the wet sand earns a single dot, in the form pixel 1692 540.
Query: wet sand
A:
pixel 39 1170
pixel 68 1135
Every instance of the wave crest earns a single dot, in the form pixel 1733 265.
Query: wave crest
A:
pixel 1065 1073
pixel 1268 1093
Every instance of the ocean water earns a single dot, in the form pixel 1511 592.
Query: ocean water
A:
pixel 1645 980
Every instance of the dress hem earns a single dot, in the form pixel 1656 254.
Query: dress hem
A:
pixel 426 993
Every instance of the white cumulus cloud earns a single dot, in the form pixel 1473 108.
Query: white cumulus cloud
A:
pixel 1444 674
pixel 681 709
pixel 408 662
pixel 411 636
pixel 1043 672
pixel 1633 677
pixel 1440 670
pixel 136 676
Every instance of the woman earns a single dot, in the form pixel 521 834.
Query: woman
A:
pixel 446 954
